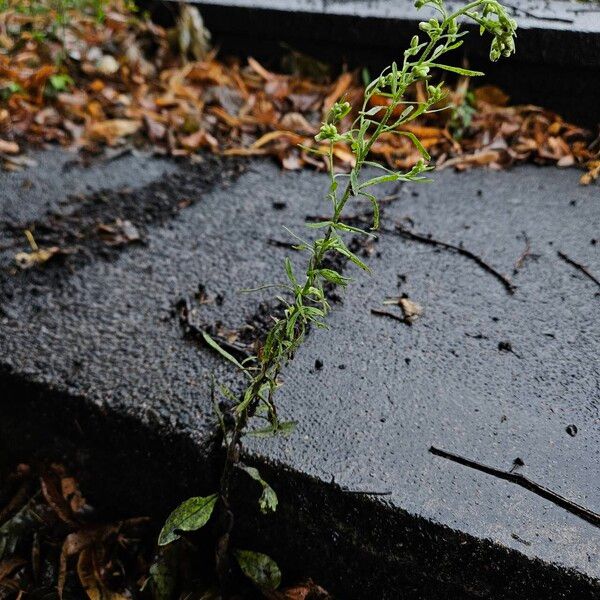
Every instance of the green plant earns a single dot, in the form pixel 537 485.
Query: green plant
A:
pixel 60 9
pixel 306 301
pixel 51 18
pixel 462 115
pixel 58 83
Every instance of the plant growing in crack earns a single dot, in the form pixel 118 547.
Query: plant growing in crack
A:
pixel 306 302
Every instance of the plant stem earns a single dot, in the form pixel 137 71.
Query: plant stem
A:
pixel 310 306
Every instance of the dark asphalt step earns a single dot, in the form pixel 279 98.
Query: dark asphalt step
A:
pixel 383 23
pixel 95 363
pixel 557 64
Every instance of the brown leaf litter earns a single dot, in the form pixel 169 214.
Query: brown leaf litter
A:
pixel 54 544
pixel 125 80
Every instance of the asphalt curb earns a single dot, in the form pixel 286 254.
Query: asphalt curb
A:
pixel 95 367
pixel 557 64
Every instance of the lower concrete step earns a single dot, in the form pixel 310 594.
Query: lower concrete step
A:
pixel 94 363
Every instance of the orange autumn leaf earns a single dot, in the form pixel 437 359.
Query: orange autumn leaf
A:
pixel 199 139
pixel 260 70
pixel 491 94
pixel 245 152
pixel 112 130
pixel 7 147
pixel 340 87
pixel 273 135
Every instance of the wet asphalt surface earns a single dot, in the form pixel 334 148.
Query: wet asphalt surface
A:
pixel 487 374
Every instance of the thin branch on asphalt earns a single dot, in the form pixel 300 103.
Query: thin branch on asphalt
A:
pixel 401 231
pixel 582 268
pixel 524 482
pixel 431 241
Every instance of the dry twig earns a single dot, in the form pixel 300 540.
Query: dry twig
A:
pixel 524 482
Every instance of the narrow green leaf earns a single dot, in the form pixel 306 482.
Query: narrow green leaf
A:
pixel 268 500
pixel 248 397
pixel 394 85
pixel 409 109
pixel 290 272
pixel 283 428
pixel 342 249
pixel 313 150
pixel 372 111
pixel 415 140
pixel 354 181
pixel 215 346
pixel 227 393
pixel 259 568
pixel 455 46
pixel 344 227
pixel 297 237
pixel 375 205
pixel 333 276
pixel 381 179
pixel 216 407
pixel 459 70
pixel 316 293
pixel 318 225
pixel 291 323
pixel 377 165
pixel 364 126
pixel 190 515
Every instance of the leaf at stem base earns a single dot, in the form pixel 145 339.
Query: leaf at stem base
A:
pixel 190 515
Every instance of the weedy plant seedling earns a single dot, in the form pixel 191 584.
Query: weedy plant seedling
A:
pixel 306 301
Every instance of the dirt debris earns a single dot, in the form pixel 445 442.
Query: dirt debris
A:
pixel 102 224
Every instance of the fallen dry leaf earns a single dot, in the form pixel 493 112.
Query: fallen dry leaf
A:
pixel 112 130
pixel 87 574
pixel 592 175
pixel 78 541
pixel 8 566
pixel 121 232
pixel 491 95
pixel 106 558
pixel 9 147
pixel 412 311
pixel 90 565
pixel 54 497
pixel 200 139
pixel 72 494
pixel 305 591
pixel 192 35
pixel 26 260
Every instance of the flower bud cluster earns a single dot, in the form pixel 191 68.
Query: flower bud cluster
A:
pixel 328 129
pixel 496 21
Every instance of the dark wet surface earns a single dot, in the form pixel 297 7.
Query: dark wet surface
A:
pixel 483 373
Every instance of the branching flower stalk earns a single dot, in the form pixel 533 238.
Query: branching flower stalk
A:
pixel 309 306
